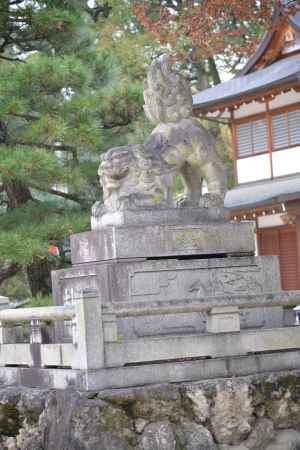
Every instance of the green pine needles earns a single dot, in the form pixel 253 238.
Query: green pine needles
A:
pixel 70 88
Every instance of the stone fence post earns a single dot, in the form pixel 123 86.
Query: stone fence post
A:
pixel 88 332
pixel 35 331
pixel 110 329
pixel 7 333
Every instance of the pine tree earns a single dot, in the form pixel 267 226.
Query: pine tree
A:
pixel 67 93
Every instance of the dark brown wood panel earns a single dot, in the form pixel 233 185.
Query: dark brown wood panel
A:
pixel 282 242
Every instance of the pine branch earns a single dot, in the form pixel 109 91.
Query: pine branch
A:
pixel 66 195
pixel 110 125
pixel 25 116
pixel 6 58
pixel 4 43
pixel 16 2
pixel 60 147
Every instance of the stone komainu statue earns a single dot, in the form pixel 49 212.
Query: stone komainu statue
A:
pixel 178 137
pixel 142 176
pixel 132 179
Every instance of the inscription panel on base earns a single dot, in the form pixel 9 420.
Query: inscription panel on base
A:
pixel 193 283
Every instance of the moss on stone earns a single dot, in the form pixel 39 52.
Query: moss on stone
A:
pixel 291 383
pixel 9 420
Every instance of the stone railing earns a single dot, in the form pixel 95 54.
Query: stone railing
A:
pixel 84 352
pixel 223 336
pixel 98 351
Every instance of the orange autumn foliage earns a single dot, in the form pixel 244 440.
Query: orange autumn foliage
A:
pixel 229 27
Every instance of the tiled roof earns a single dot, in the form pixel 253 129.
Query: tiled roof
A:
pixel 286 70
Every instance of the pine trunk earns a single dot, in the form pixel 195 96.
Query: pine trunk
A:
pixel 17 193
pixel 39 277
pixel 8 271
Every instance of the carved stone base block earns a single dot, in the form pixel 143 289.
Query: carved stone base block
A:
pixel 176 255
pixel 162 241
pixel 223 320
pixel 158 216
pixel 166 280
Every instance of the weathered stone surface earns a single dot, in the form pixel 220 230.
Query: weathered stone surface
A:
pixel 139 425
pixel 11 444
pixel 178 137
pixel 160 240
pixel 163 417
pixel 82 428
pixel 284 411
pixel 158 216
pixel 232 447
pixel 132 178
pixel 141 176
pixel 198 402
pixel 158 436
pixel 193 436
pixel 232 413
pixel 167 94
pixel 172 279
pixel 96 424
pixel 30 437
pixel 10 421
pixel 286 440
pixel 261 435
pixel 71 423
pixel 157 404
pixel 282 401
pixel 31 404
pixel 224 319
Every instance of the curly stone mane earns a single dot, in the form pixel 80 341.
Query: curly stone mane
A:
pixel 167 94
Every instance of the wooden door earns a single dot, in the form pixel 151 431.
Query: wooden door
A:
pixel 282 241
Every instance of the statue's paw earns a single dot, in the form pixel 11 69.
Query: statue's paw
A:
pixel 211 200
pixel 183 202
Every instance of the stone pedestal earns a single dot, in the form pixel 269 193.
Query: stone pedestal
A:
pixel 159 216
pixel 166 255
pixel 162 241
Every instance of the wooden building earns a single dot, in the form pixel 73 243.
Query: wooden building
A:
pixel 262 104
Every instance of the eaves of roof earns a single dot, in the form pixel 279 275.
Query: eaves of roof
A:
pixel 263 46
pixel 253 195
pixel 281 72
pixel 279 15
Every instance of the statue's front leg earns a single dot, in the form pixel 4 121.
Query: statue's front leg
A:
pixel 216 178
pixel 193 187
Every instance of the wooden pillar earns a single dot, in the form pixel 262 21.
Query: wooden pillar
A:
pixel 293 209
pixel 298 243
pixel 270 136
pixel 235 147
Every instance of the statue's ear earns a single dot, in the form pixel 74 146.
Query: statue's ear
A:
pixel 215 131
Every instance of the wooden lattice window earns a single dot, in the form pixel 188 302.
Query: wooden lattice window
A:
pixel 286 129
pixel 252 137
